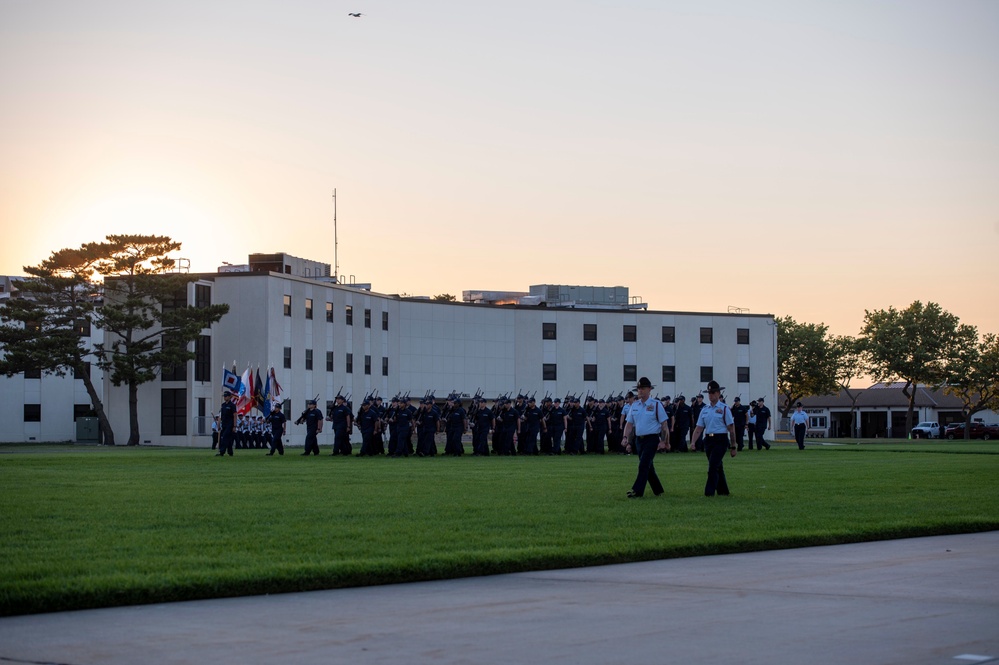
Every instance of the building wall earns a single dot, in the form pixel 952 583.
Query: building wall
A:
pixel 442 347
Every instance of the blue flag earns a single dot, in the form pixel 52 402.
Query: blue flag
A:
pixel 230 381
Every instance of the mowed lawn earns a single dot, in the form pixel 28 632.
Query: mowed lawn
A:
pixel 93 527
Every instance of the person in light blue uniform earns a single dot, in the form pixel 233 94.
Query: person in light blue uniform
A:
pixel 799 421
pixel 648 419
pixel 717 424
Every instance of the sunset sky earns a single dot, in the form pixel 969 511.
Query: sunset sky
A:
pixel 807 158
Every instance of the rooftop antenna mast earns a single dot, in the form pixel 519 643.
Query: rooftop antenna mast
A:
pixel 336 262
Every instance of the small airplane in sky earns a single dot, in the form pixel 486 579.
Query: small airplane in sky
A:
pixel 355 15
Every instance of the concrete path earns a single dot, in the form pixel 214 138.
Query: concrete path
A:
pixel 924 600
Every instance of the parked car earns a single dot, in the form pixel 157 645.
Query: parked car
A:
pixel 926 430
pixel 977 431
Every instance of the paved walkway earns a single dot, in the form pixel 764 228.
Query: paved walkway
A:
pixel 923 600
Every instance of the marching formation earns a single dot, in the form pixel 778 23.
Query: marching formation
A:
pixel 506 425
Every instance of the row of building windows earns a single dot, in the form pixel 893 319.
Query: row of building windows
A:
pixel 549 372
pixel 348 313
pixel 330 365
pixel 630 333
pixel 33 412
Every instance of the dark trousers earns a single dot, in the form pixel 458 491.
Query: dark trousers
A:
pixel 453 444
pixel 715 447
pixel 529 445
pixel 556 435
pixel 341 442
pixel 760 441
pixel 480 442
pixel 799 435
pixel 678 440
pixel 647 446
pixel 215 439
pixel 226 441
pixel 276 442
pixel 595 440
pixel 311 443
pixel 367 443
pixel 740 435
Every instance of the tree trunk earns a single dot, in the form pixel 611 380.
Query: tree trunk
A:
pixel 912 407
pixel 105 425
pixel 133 414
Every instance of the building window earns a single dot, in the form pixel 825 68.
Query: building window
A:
pixel 308 308
pixel 350 315
pixel 82 327
pixel 630 334
pixel 384 320
pixel 589 332
pixel 549 372
pixel 85 372
pixel 743 375
pixel 202 295
pixel 32 373
pixel 742 335
pixel 203 358
pixel 329 361
pixel 287 305
pixel 177 372
pixel 32 413
pixel 287 357
pixel 82 411
pixel 549 331
pixel 308 359
pixel 384 366
pixel 589 372
pixel 349 365
pixel 329 312
pixel 669 334
pixel 367 364
pixel 631 373
pixel 367 318
pixel 173 412
pixel 707 335
pixel 669 373
pixel 707 374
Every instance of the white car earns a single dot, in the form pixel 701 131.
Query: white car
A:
pixel 926 430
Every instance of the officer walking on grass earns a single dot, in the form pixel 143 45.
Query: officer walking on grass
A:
pixel 227 424
pixel 313 419
pixel 717 424
pixel 647 418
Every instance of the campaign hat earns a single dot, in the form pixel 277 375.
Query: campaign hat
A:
pixel 644 383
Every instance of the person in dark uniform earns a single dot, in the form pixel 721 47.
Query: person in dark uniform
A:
pixel 577 421
pixel 555 426
pixel 343 422
pixel 378 440
pixel 367 423
pixel 508 422
pixel 695 409
pixel 484 422
pixel 647 419
pixel 682 420
pixel 313 419
pixel 227 425
pixel 799 421
pixel 403 418
pixel 740 414
pixel 455 428
pixel 279 426
pixel 429 421
pixel 762 423
pixel 599 424
pixel 530 428
pixel 215 431
pixel 718 426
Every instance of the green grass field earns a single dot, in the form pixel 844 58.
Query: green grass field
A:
pixel 94 527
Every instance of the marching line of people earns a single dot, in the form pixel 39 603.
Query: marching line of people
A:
pixel 509 426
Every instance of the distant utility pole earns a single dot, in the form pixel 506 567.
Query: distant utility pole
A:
pixel 336 261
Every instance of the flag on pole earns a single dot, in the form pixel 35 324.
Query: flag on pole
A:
pixel 276 392
pixel 266 410
pixel 230 381
pixel 258 393
pixel 245 401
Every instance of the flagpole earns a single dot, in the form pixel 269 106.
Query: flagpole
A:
pixel 336 244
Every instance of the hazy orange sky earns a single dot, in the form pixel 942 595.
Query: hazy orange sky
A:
pixel 807 158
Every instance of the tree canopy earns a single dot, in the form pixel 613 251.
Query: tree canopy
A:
pixel 973 377
pixel 913 345
pixel 807 361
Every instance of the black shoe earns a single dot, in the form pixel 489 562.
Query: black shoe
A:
pixel 221 455
pixel 306 454
pixel 633 495
pixel 659 493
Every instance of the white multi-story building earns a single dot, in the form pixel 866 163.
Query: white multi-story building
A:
pixel 322 337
